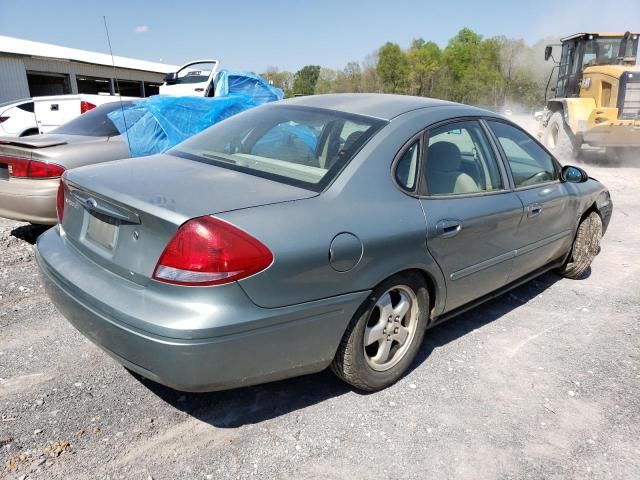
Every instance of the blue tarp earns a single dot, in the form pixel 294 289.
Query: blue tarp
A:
pixel 160 122
pixel 249 84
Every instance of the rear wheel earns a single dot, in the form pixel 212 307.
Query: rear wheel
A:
pixel 559 140
pixel 385 334
pixel 585 247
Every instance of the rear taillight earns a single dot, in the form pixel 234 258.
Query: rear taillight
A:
pixel 25 168
pixel 3 119
pixel 60 201
pixel 209 251
pixel 86 106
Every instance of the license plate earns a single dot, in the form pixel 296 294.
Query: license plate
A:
pixel 102 230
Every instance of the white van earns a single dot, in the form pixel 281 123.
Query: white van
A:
pixel 53 111
pixel 194 79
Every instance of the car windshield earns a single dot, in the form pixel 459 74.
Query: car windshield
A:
pixel 94 123
pixel 301 146
pixel 195 73
pixel 605 50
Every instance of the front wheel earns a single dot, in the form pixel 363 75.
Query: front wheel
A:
pixel 385 334
pixel 585 247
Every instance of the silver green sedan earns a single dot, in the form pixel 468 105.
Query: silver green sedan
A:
pixel 323 231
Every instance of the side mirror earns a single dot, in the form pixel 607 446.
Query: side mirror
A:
pixel 548 50
pixel 170 78
pixel 573 174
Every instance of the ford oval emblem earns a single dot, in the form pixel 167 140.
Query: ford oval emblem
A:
pixel 91 203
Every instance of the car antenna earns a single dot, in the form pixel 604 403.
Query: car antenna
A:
pixel 115 76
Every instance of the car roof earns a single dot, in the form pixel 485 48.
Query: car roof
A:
pixel 379 105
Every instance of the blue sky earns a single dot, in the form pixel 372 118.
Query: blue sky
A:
pixel 251 35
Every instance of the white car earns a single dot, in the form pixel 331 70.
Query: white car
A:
pixel 17 118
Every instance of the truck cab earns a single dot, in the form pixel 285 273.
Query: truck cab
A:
pixel 194 79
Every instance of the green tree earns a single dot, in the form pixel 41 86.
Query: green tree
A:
pixel 425 66
pixel 392 68
pixel 305 79
pixel 473 69
pixel 326 81
pixel 279 78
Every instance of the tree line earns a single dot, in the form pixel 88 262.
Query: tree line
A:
pixel 494 72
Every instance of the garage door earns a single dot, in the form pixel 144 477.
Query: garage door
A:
pixel 47 84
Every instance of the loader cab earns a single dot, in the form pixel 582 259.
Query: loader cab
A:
pixel 591 49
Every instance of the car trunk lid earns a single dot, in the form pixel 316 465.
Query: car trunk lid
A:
pixel 37 147
pixel 35 141
pixel 122 215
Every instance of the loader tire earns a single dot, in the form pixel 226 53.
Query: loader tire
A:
pixel 559 140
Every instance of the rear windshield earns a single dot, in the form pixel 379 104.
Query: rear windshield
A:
pixel 94 123
pixel 301 146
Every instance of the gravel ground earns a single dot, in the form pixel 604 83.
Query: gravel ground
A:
pixel 540 383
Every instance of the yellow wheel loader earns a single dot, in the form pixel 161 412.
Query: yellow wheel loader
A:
pixel 596 100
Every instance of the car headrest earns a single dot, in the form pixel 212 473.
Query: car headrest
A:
pixel 351 140
pixel 444 157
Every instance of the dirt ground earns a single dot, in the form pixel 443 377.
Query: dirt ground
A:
pixel 542 382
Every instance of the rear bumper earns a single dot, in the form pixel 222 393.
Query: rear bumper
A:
pixel 29 200
pixel 191 345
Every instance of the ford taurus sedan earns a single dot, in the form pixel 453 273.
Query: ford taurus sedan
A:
pixel 324 231
pixel 31 167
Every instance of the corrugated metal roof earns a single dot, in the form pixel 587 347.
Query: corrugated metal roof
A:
pixel 18 46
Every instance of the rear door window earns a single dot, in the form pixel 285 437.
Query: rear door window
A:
pixel 27 107
pixel 460 161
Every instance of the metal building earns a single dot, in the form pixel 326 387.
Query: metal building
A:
pixel 29 69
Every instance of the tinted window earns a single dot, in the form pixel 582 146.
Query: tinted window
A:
pixel 406 167
pixel 94 123
pixel 460 160
pixel 296 145
pixel 530 164
pixel 27 107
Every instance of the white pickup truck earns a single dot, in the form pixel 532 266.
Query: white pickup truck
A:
pixel 195 79
pixel 53 111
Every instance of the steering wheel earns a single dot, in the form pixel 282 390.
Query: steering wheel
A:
pixel 538 177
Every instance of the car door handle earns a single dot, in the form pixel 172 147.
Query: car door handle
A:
pixel 534 210
pixel 448 228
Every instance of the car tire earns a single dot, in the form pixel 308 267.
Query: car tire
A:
pixel 586 246
pixel 559 140
pixel 380 317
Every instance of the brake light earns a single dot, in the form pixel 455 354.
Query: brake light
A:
pixel 60 201
pixel 86 106
pixel 3 119
pixel 25 168
pixel 210 251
